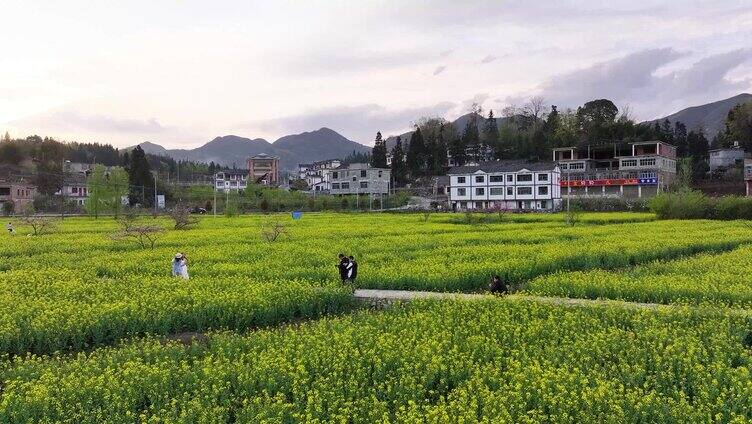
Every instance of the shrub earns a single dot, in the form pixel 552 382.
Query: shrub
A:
pixel 683 204
pixel 733 207
pixel 612 204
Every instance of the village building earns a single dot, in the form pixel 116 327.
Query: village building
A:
pixel 640 169
pixel 17 193
pixel 263 169
pixel 315 175
pixel 512 185
pixel 358 178
pixel 231 180
pixel 723 159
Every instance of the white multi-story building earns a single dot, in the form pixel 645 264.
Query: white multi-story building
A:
pixel 359 178
pixel 512 185
pixel 233 180
pixel 315 174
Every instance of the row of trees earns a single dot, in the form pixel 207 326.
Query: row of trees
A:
pixel 531 131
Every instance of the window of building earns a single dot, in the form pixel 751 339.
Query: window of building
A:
pixel 461 192
pixel 480 191
pixel 363 184
pixel 510 178
pixel 647 174
pixel 496 191
pixel 460 180
pixel 479 178
pixel 576 165
pixel 629 162
pixel 363 173
pixel 647 162
pixel 524 178
pixel 496 178
pixel 524 191
pixel 543 191
pixel 335 186
pixel 345 186
pixel 542 177
pixel 510 191
pixel 4 191
pixel 335 174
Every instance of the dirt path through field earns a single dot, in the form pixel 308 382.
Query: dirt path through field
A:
pixel 382 297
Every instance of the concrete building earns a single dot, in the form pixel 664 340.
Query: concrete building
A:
pixel 231 180
pixel 18 193
pixel 315 174
pixel 513 185
pixel 748 176
pixel 722 159
pixel 359 178
pixel 263 169
pixel 640 169
pixel 75 189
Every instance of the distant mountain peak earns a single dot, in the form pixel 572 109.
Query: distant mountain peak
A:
pixel 710 116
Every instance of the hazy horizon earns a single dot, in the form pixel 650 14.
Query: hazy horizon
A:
pixel 182 74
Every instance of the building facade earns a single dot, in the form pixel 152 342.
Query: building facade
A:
pixel 748 176
pixel 18 193
pixel 640 169
pixel 315 174
pixel 722 159
pixel 263 169
pixel 359 178
pixel 231 180
pixel 512 185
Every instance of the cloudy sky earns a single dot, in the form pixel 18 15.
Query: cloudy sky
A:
pixel 179 73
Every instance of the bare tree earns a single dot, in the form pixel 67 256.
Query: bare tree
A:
pixel 427 214
pixel 534 109
pixel 273 230
pixel 145 235
pixel 572 214
pixel 501 211
pixel 39 224
pixel 182 217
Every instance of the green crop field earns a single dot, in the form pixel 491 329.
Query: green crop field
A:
pixel 84 320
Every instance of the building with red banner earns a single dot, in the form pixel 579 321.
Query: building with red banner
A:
pixel 634 170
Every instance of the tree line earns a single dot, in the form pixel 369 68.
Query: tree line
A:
pixel 531 131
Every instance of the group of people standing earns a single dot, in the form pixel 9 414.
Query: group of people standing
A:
pixel 348 269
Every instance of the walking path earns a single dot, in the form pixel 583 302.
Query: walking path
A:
pixel 388 296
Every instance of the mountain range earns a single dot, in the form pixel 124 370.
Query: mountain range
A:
pixel 230 150
pixel 326 143
pixel 711 116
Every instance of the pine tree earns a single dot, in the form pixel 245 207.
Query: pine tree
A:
pixel 399 169
pixel 439 153
pixel 140 179
pixel 416 154
pixel 471 140
pixel 378 153
pixel 490 134
pixel 458 151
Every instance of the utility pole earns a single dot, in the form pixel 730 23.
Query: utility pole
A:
pixel 155 193
pixel 62 191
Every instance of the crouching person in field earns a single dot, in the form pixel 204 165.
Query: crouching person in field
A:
pixel 498 286
pixel 180 266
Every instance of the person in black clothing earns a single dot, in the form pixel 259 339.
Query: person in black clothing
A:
pixel 354 270
pixel 343 267
pixel 498 286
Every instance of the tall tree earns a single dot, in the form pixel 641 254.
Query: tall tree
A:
pixel 739 125
pixel 399 168
pixel 140 179
pixel 697 149
pixel 490 137
pixel 378 153
pixel 416 154
pixel 471 140
pixel 118 182
pixel 596 118
pixel 100 196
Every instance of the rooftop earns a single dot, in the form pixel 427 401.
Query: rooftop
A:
pixel 503 166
